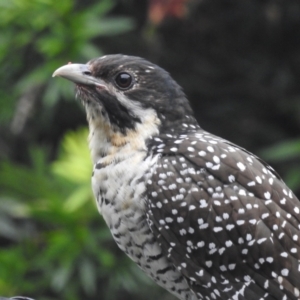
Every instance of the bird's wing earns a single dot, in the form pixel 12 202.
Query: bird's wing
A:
pixel 225 220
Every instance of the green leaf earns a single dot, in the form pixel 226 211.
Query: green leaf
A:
pixel 61 277
pixel 283 151
pixel 108 26
pixel 74 163
pixel 78 198
pixel 88 275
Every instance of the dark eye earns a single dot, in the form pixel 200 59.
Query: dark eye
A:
pixel 123 80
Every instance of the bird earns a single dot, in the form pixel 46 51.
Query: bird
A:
pixel 200 215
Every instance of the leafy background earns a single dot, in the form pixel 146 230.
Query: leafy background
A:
pixel 239 63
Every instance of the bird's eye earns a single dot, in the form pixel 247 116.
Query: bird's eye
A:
pixel 123 80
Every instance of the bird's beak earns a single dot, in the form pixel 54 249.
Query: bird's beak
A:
pixel 79 74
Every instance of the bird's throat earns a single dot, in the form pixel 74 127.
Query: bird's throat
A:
pixel 108 144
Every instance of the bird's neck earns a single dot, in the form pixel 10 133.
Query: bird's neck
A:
pixel 109 144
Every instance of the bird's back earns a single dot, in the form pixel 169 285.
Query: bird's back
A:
pixel 225 218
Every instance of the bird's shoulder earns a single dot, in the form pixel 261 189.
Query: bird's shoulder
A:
pixel 198 167
pixel 209 202
pixel 201 155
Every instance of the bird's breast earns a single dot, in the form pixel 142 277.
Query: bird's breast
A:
pixel 120 192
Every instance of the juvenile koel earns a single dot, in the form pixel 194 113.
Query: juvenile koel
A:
pixel 203 217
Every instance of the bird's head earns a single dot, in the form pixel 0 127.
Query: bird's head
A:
pixel 125 92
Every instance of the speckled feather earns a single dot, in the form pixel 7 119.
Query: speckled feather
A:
pixel 227 221
pixel 201 216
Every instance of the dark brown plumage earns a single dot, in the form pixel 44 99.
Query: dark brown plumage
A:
pixel 203 217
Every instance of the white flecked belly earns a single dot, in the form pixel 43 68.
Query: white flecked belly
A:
pixel 120 192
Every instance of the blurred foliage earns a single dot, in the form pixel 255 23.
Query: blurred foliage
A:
pixel 72 168
pixel 37 36
pixel 287 152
